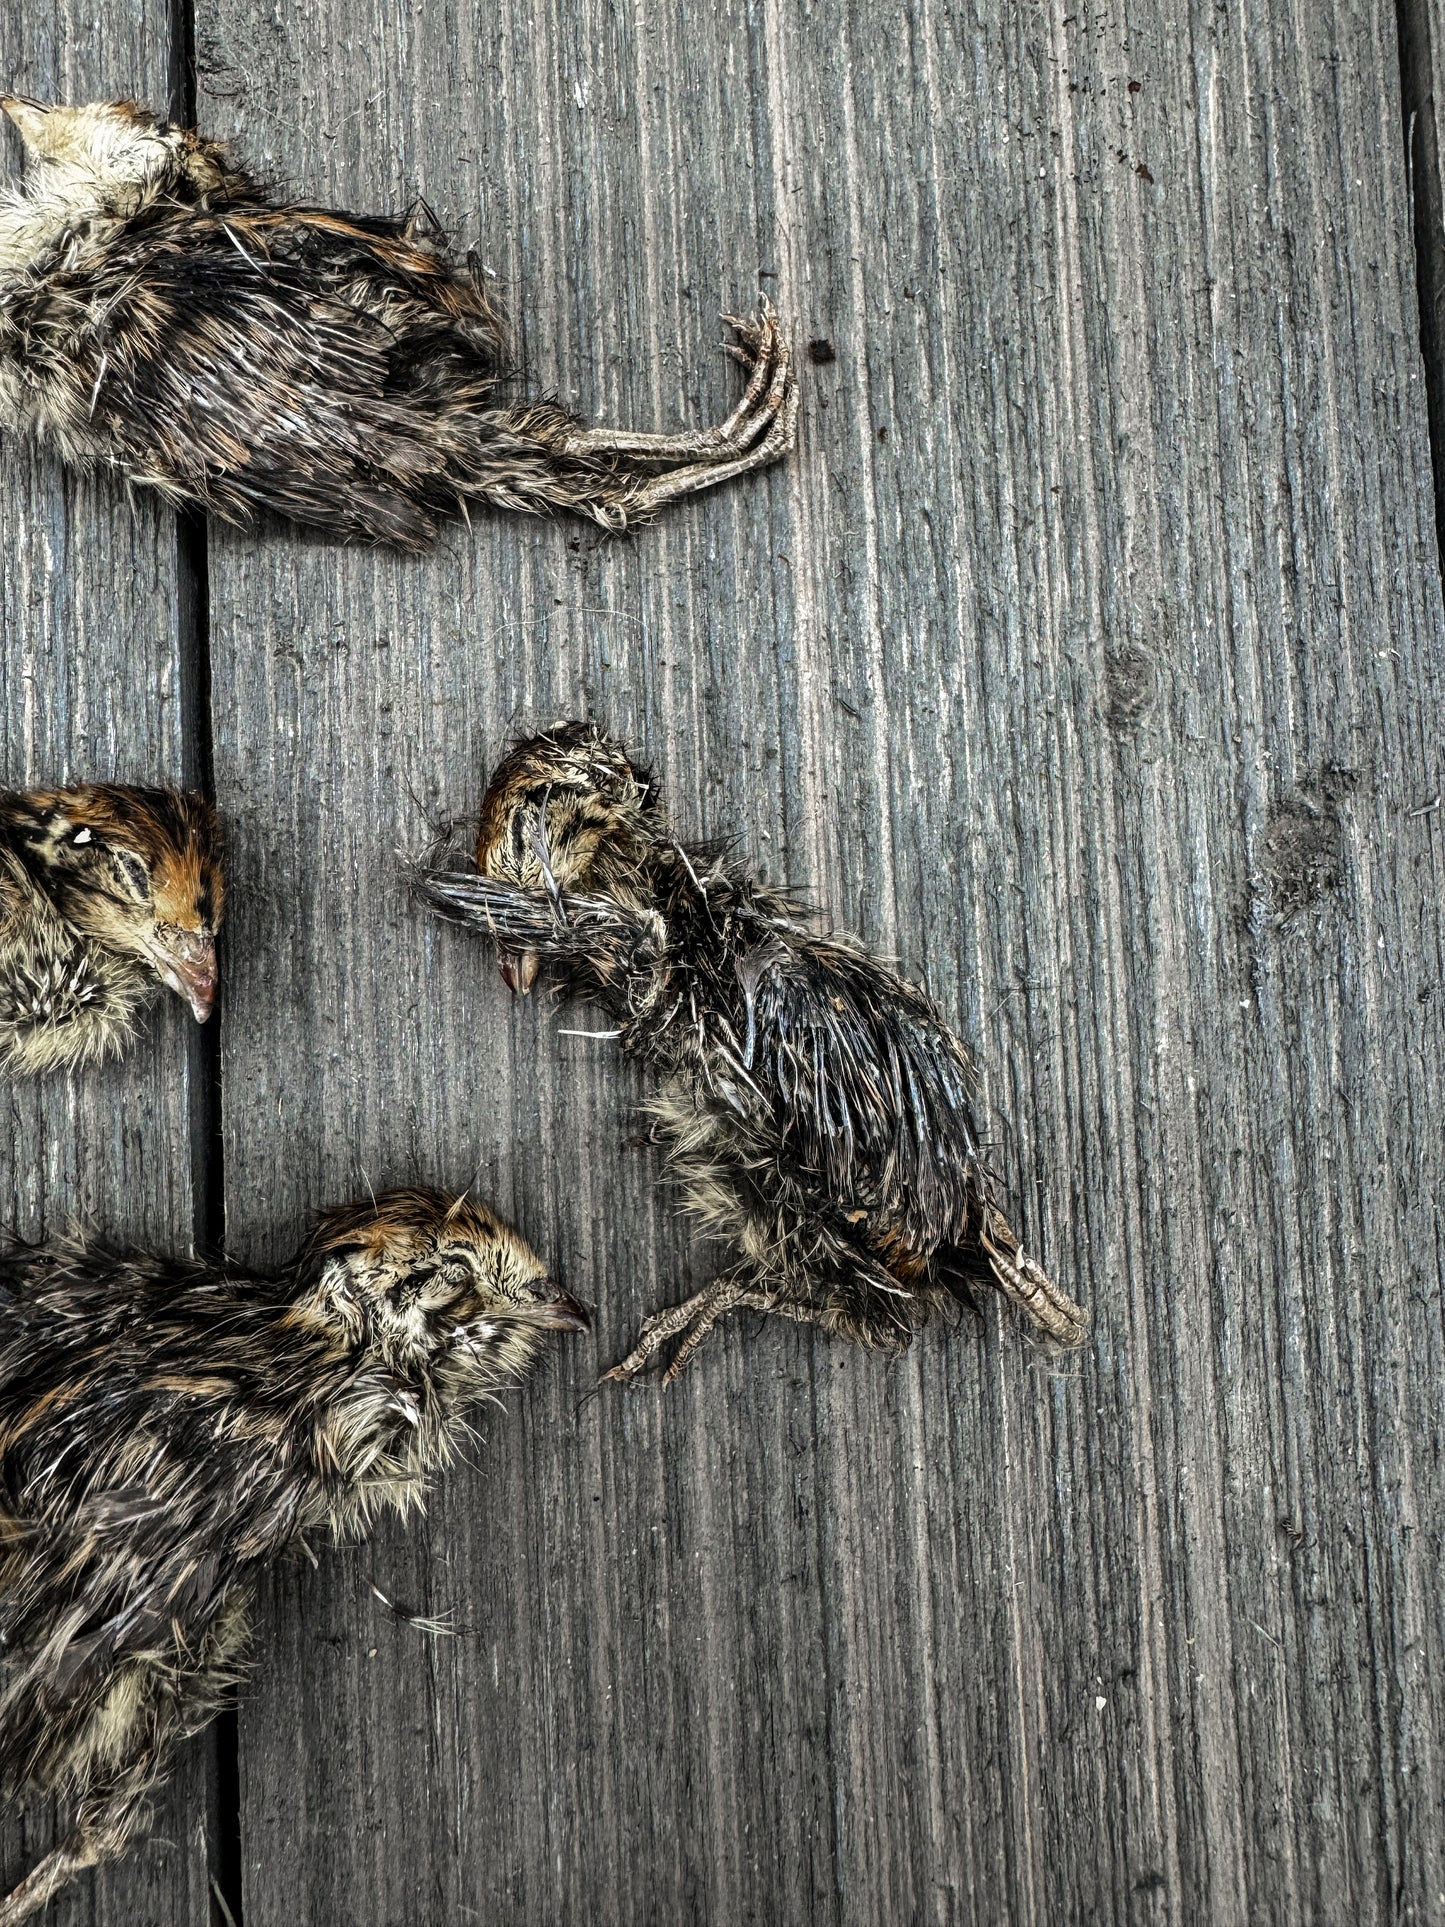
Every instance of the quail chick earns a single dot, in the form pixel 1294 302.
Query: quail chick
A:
pixel 167 1427
pixel 162 315
pixel 813 1105
pixel 104 891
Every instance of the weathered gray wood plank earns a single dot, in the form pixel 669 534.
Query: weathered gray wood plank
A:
pixel 1098 621
pixel 1422 83
pixel 91 687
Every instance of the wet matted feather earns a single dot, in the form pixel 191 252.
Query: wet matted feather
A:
pixel 163 316
pixel 815 1108
pixel 169 1426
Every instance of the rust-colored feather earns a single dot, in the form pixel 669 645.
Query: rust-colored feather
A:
pixel 106 892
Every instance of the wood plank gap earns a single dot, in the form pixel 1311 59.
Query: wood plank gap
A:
pixel 208 1175
pixel 208 1179
pixel 182 76
pixel 1419 112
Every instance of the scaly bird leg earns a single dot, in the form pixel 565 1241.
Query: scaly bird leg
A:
pixel 780 440
pixel 46 1879
pixel 751 425
pixel 1035 1293
pixel 695 1318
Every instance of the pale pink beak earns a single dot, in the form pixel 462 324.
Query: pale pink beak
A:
pixel 185 962
pixel 519 969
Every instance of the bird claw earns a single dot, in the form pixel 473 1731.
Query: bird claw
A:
pixel 691 1321
pixel 694 1318
pixel 1031 1288
pixel 761 428
pixel 755 334
pixel 760 348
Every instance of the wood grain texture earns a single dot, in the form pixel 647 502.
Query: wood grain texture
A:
pixel 1089 657
pixel 1422 86
pixel 91 687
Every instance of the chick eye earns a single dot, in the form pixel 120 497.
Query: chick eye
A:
pixel 133 874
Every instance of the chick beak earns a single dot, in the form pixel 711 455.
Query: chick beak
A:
pixel 185 962
pixel 28 115
pixel 519 969
pixel 557 1309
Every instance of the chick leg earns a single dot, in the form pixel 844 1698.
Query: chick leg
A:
pixel 108 1814
pixel 780 440
pixel 695 1318
pixel 535 459
pixel 765 354
pixel 44 1881
pixel 659 1326
pixel 1030 1287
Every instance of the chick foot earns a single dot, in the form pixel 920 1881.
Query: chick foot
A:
pixel 695 1318
pixel 1034 1292
pixel 781 439
pixel 762 427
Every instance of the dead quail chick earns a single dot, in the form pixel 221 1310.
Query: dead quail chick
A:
pixel 813 1105
pixel 105 891
pixel 162 315
pixel 167 1427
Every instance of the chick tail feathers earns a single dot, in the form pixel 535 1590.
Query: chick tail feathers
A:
pixel 1023 1280
pixel 46 1878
